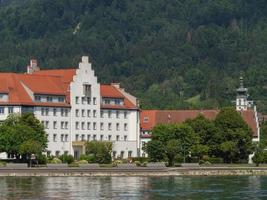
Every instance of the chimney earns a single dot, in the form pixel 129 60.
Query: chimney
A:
pixel 33 67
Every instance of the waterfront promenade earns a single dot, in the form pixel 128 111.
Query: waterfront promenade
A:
pixel 138 171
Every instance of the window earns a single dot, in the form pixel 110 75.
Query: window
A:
pixel 76 137
pixel 88 137
pixel 109 114
pixel 47 124
pixel 57 153
pixel 62 112
pixel 66 138
pixel 88 125
pixel 62 137
pixel 94 137
pixel 88 113
pixel 83 137
pixel 106 101
pixel 114 154
pixel 125 115
pixel 66 152
pixel 117 114
pixel 102 126
pixel 37 98
pixel 101 113
pixel 94 113
pixel 10 110
pixel 88 100
pixel 48 153
pixel 87 89
pixel 2 110
pixel 125 138
pixel 94 101
pixel 146 119
pixel 83 113
pixel 47 111
pixel 109 137
pixel 101 137
pixel 42 111
pixel 117 101
pixel 77 125
pixel 125 127
pixel 122 154
pixel 54 137
pixel 62 125
pixel 83 125
pixel 77 113
pixel 49 99
pixel 117 137
pixel 60 99
pixel 109 126
pixel 83 100
pixel 66 125
pixel 117 126
pixel 66 112
pixel 55 112
pixel 130 154
pixel 94 125
pixel 55 125
pixel 77 100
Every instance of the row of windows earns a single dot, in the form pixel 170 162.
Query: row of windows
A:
pixel 85 100
pixel 63 124
pixel 63 138
pixel 10 110
pixel 111 101
pixel 87 126
pixel 120 154
pixel 88 137
pixel 49 98
pixel 87 113
pixel 64 111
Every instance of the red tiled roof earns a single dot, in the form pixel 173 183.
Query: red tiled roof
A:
pixel 155 117
pixel 50 82
pixel 110 91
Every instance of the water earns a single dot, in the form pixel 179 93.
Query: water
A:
pixel 154 188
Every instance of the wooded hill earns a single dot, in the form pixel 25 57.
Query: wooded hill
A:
pixel 169 53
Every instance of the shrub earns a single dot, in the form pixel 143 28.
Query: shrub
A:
pixel 140 159
pixel 2 164
pixel 90 158
pixel 56 161
pixel 65 158
pixel 138 163
pixel 144 164
pixel 207 163
pixel 201 162
pixel 42 159
pixel 177 165
pixel 74 164
pixel 82 162
pixel 213 160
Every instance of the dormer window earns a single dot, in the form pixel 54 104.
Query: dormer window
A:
pixel 146 119
pixel 60 99
pixel 49 99
pixel 37 98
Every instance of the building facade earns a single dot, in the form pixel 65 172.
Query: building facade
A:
pixel 74 108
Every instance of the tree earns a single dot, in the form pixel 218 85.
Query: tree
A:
pixel 100 150
pixel 173 149
pixel 156 151
pixel 22 135
pixel 236 142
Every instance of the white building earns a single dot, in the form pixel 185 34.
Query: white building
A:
pixel 73 108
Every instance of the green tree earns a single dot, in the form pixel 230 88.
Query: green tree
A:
pixel 22 135
pixel 236 142
pixel 156 151
pixel 100 150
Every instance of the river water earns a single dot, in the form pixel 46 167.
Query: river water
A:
pixel 154 188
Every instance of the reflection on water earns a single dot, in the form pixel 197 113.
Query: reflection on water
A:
pixel 155 188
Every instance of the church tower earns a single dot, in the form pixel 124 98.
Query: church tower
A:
pixel 242 102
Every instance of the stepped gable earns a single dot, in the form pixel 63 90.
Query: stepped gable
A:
pixel 151 118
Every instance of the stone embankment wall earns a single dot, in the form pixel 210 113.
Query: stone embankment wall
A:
pixel 132 172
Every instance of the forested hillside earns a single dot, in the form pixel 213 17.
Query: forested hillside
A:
pixel 169 53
